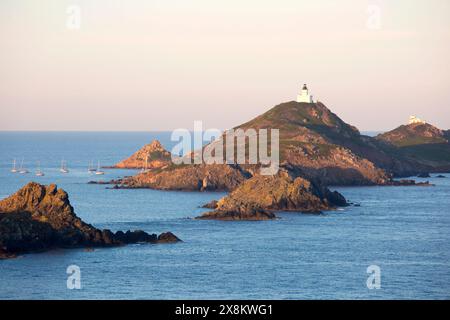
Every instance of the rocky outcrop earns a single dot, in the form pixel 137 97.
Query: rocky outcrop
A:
pixel 258 197
pixel 190 178
pixel 39 217
pixel 150 156
pixel 167 237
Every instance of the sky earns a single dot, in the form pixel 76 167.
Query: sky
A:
pixel 110 65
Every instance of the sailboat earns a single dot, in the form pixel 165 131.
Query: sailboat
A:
pixel 91 167
pixel 99 172
pixel 22 170
pixel 39 173
pixel 63 167
pixel 14 170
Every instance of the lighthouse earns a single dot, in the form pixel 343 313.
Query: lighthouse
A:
pixel 304 95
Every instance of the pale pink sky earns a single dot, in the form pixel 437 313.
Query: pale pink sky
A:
pixel 160 65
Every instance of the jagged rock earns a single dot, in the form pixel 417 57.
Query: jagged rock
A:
pixel 38 218
pixel 259 196
pixel 150 156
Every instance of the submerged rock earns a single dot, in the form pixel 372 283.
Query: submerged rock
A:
pixel 259 196
pixel 38 218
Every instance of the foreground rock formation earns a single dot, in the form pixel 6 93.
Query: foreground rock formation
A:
pixel 150 156
pixel 38 218
pixel 258 197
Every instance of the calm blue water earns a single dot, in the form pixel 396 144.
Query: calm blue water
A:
pixel 403 230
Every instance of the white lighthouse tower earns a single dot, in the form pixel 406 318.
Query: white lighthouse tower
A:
pixel 304 95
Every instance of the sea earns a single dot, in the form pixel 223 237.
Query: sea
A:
pixel 393 244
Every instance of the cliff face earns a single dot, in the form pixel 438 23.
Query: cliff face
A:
pixel 259 196
pixel 421 143
pixel 150 156
pixel 39 217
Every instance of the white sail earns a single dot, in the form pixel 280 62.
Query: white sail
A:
pixel 39 172
pixel 99 172
pixel 14 169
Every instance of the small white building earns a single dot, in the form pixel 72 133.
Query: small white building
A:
pixel 414 119
pixel 304 95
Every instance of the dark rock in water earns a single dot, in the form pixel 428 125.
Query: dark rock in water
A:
pixel 167 237
pixel 114 181
pixel 259 196
pixel 242 211
pixel 423 175
pixel 440 176
pixel 135 236
pixel 38 218
pixel 409 182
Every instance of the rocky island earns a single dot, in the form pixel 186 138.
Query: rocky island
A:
pixel 260 196
pixel 38 218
